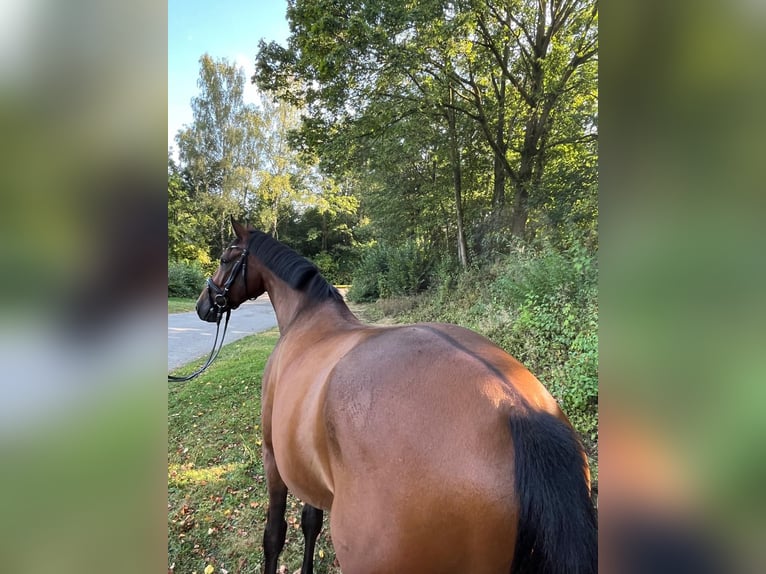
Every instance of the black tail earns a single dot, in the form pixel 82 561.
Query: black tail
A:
pixel 558 532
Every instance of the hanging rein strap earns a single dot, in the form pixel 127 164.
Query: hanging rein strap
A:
pixel 213 353
pixel 221 300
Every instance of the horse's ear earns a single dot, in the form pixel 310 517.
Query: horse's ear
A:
pixel 239 229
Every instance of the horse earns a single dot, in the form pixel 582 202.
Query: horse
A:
pixel 433 450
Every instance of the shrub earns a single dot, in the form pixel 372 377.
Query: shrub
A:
pixel 407 270
pixel 388 271
pixel 365 281
pixel 327 266
pixel 336 266
pixel 552 296
pixel 185 279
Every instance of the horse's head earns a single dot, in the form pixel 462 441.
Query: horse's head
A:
pixel 235 281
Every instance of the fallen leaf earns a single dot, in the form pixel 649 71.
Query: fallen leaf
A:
pixel 209 569
pixel 321 553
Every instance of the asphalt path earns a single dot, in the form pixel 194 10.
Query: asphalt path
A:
pixel 190 338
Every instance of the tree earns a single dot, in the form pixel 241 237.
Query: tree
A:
pixel 186 222
pixel 512 68
pixel 220 149
pixel 356 105
pixel 540 48
pixel 281 178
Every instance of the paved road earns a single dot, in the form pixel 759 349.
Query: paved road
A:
pixel 190 338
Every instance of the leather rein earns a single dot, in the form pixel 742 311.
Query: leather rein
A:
pixel 220 299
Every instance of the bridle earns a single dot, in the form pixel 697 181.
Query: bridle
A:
pixel 219 297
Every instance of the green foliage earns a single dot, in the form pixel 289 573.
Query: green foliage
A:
pixel 407 270
pixel 388 270
pixel 220 150
pixel 187 220
pixel 419 98
pixel 185 279
pixel 237 159
pixel 328 265
pixel 365 284
pixel 553 298
pixel 444 273
pixel 329 232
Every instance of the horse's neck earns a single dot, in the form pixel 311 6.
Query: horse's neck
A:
pixel 295 309
pixel 287 303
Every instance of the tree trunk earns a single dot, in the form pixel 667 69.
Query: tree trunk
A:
pixel 224 231
pixel 520 212
pixel 530 157
pixel 457 178
pixel 462 247
pixel 498 192
pixel 324 231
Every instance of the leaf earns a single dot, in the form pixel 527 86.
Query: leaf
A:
pixel 209 569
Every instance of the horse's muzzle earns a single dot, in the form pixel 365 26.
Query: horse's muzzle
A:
pixel 207 310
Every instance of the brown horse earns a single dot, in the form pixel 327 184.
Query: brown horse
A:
pixel 434 450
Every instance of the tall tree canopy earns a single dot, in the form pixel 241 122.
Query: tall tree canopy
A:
pixel 219 151
pixel 236 159
pixel 509 83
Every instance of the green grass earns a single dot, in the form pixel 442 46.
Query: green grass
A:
pixel 180 304
pixel 217 496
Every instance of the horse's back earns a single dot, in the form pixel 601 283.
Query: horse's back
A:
pixel 422 454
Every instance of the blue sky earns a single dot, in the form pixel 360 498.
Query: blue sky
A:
pixel 224 29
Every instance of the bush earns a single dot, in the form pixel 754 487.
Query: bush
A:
pixel 553 297
pixel 365 281
pixel 388 271
pixel 335 266
pixel 185 279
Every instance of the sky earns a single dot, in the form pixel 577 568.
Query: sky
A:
pixel 228 29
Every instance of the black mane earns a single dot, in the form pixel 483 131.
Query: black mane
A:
pixel 295 270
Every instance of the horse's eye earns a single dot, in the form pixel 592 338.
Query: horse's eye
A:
pixel 224 261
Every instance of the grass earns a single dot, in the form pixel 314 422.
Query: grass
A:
pixel 180 304
pixel 217 496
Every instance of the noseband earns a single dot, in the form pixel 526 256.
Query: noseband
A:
pixel 219 296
